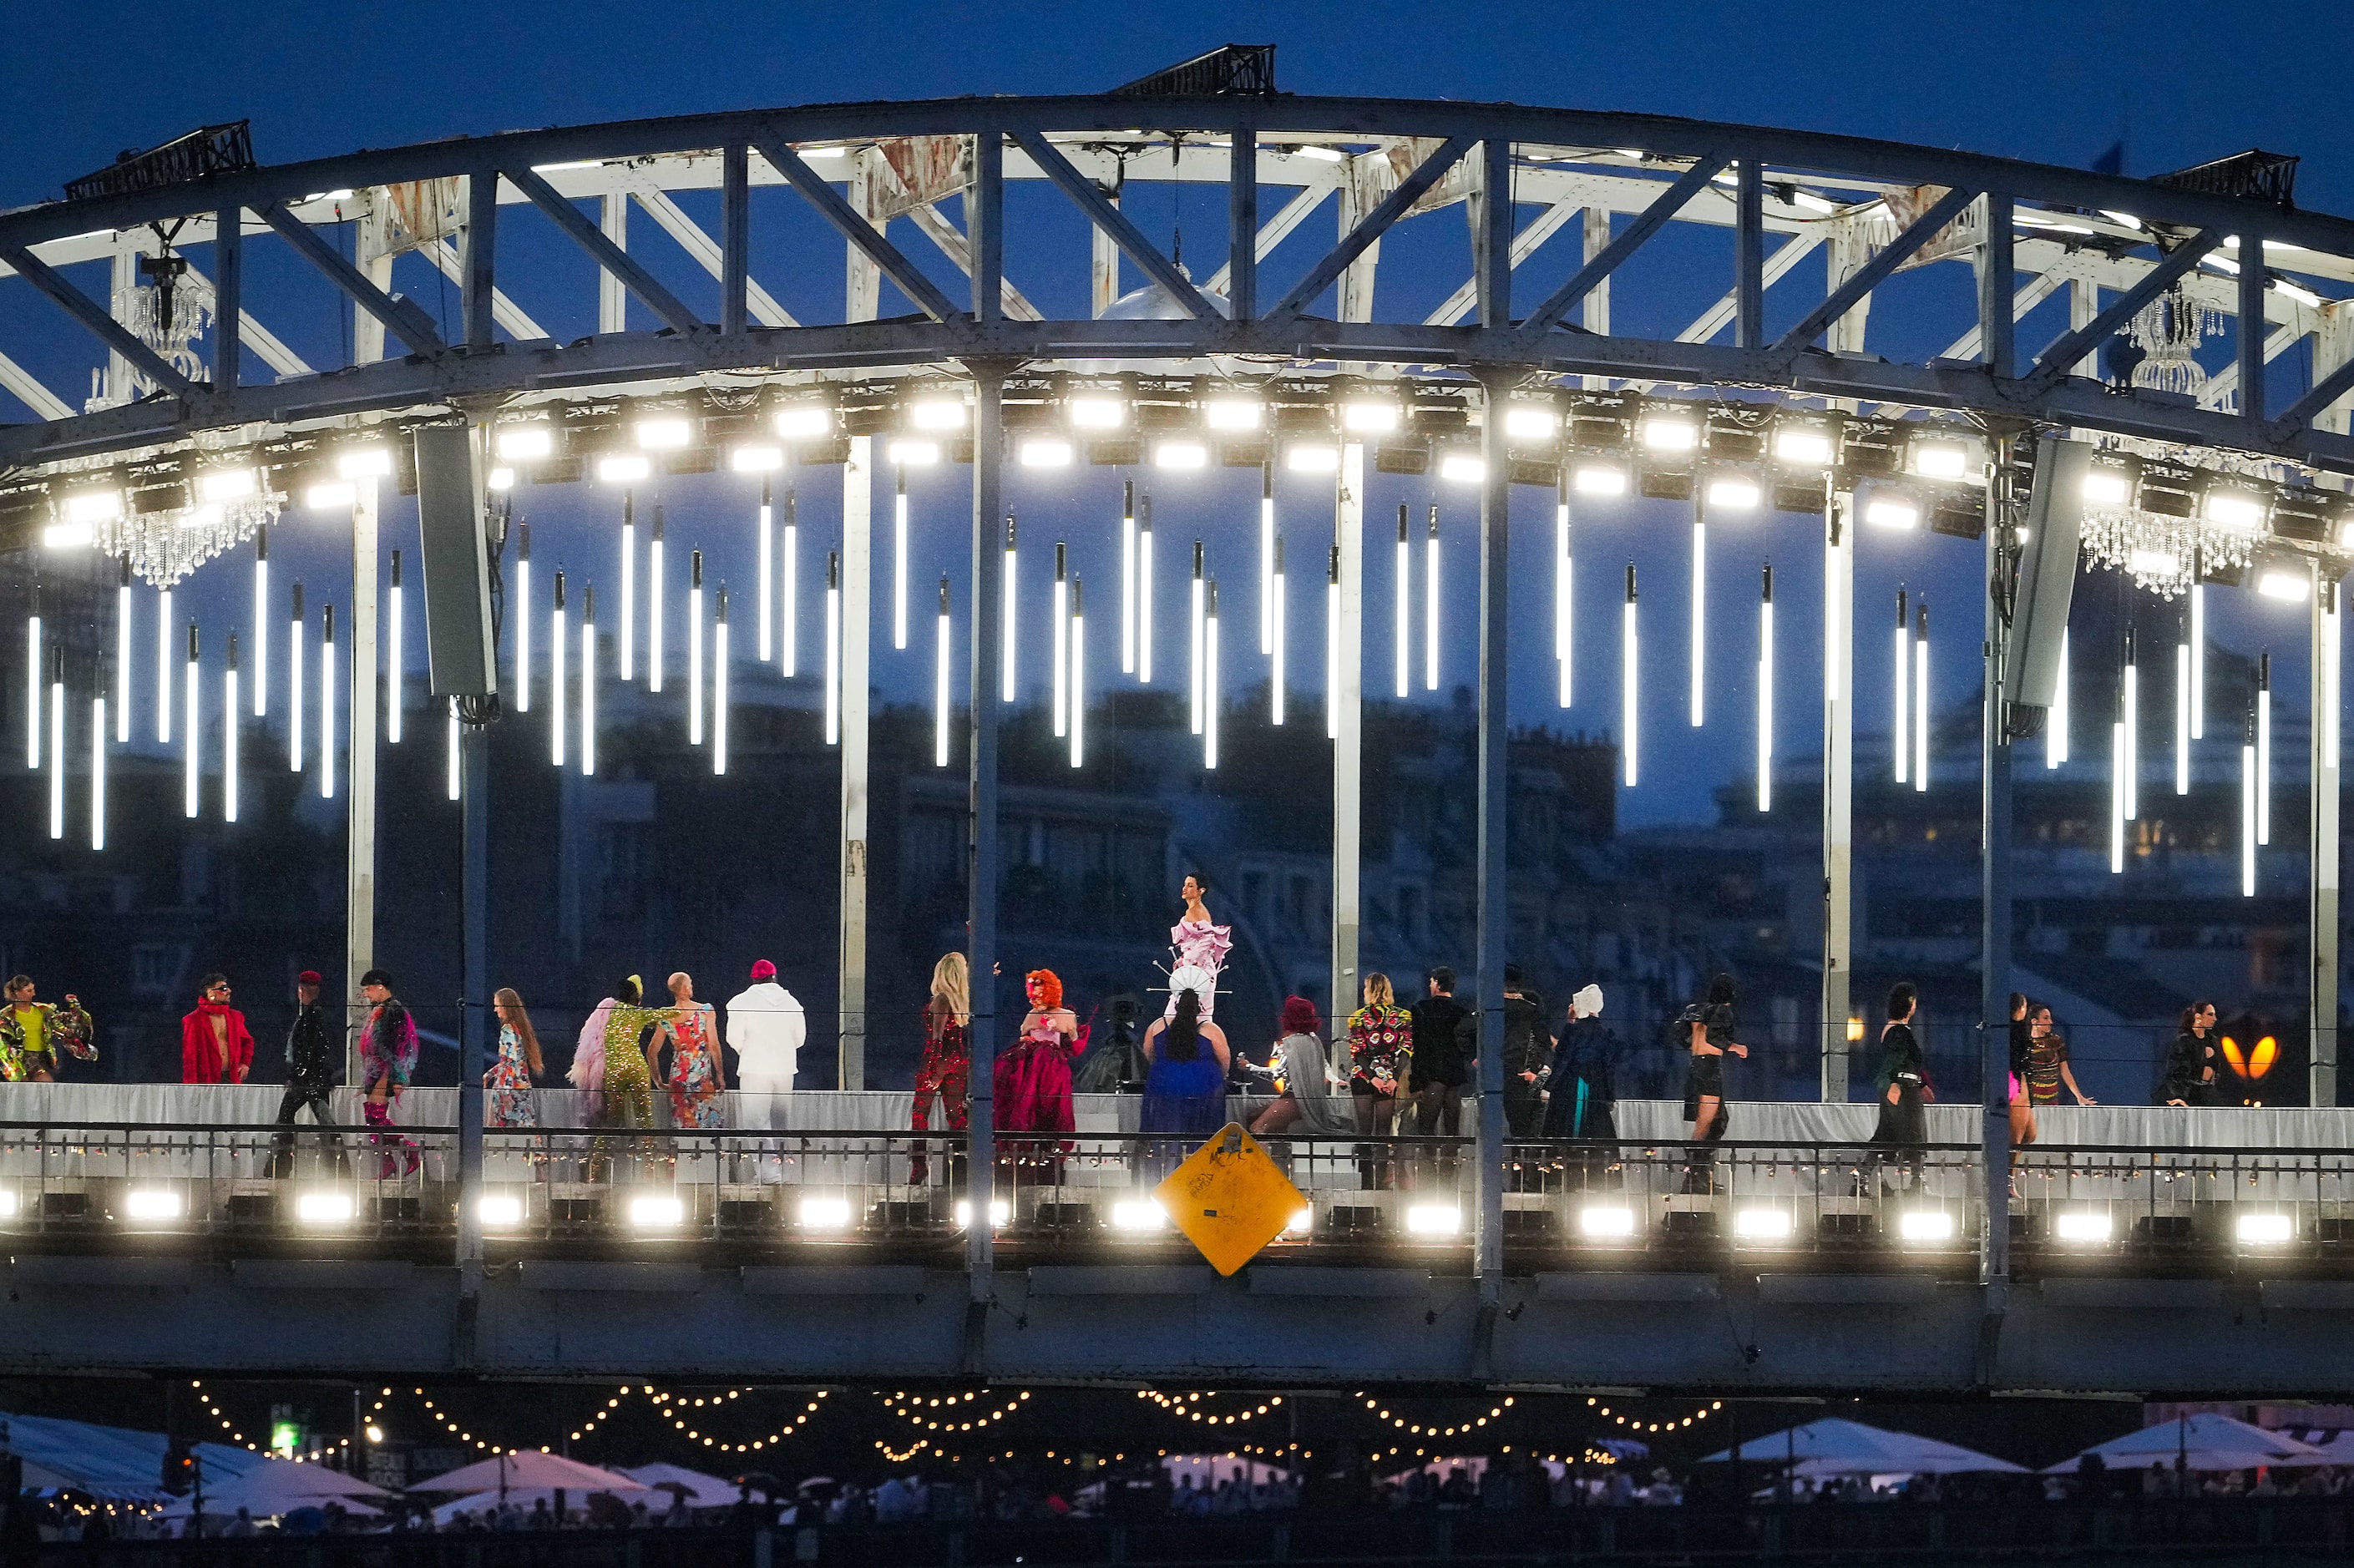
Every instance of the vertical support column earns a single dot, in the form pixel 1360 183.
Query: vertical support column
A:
pixel 359 844
pixel 1491 242
pixel 2251 325
pixel 1348 742
pixel 612 298
pixel 1104 269
pixel 2083 304
pixel 1242 224
pixel 368 241
pixel 1838 779
pixel 1994 848
pixel 1357 289
pixel 857 584
pixel 862 279
pixel 480 261
pixel 1749 254
pixel 1492 930
pixel 981 841
pixel 1594 310
pixel 985 226
pixel 735 236
pixel 1998 333
pixel 475 989
pixel 121 385
pixel 2328 710
pixel 229 295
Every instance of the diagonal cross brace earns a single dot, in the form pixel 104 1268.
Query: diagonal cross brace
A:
pixel 2056 363
pixel 1112 221
pixel 1869 276
pixel 405 319
pixel 1648 223
pixel 870 240
pixel 607 255
pixel 1372 226
pixel 2305 409
pixel 85 310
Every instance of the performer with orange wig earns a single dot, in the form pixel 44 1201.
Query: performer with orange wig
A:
pixel 1033 1080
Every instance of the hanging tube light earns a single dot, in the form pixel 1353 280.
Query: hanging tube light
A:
pixel 555 673
pixel 1276 638
pixel 1402 622
pixel 765 636
pixel 2055 724
pixel 453 774
pixel 57 733
pixel 393 659
pixel 1007 666
pixel 629 586
pixel 654 604
pixel 1766 689
pixel 229 736
pixel 98 771
pixel 2182 716
pixel 35 665
pixel 1195 640
pixel 1430 638
pixel 1333 644
pixel 1079 697
pixel 2133 727
pixel 789 630
pixel 2248 815
pixel 190 751
pixel 1921 697
pixel 1210 680
pixel 2264 748
pixel 694 649
pixel 261 620
pixel 1699 608
pixel 523 618
pixel 295 660
pixel 2197 596
pixel 327 703
pixel 2117 783
pixel 1901 726
pixel 1128 576
pixel 1564 569
pixel 1630 689
pixel 899 561
pixel 122 655
pixel 588 680
pixel 164 693
pixel 833 647
pixel 719 688
pixel 1266 557
pixel 2333 676
pixel 940 681
pixel 1059 611
pixel 1144 591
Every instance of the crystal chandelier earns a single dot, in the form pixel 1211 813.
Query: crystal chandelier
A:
pixel 2169 330
pixel 165 546
pixel 2162 554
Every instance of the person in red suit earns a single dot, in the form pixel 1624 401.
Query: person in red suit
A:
pixel 216 1048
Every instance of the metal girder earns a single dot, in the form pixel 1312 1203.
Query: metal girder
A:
pixel 404 318
pixel 869 239
pixel 1841 299
pixel 1112 221
pixel 709 254
pixel 1647 223
pixel 2058 359
pixel 941 231
pixel 86 310
pixel 1371 226
pixel 609 256
pixel 1787 255
pixel 16 379
pixel 1275 230
pixel 446 260
pixel 1532 234
pixel 2300 415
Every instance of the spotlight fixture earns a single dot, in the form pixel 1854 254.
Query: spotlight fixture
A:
pixel 525 443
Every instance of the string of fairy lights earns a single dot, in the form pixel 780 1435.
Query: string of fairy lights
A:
pixel 1184 1405
pixel 910 1408
pixel 672 1406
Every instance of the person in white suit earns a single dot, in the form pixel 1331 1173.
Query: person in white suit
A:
pixel 765 1026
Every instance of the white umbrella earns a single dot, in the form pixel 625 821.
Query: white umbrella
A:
pixel 281 1485
pixel 702 1490
pixel 522 1498
pixel 2207 1441
pixel 2337 1442
pixel 525 1468
pixel 1834 1446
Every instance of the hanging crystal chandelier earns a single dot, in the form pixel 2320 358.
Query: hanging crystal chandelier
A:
pixel 2169 330
pixel 2162 554
pixel 165 546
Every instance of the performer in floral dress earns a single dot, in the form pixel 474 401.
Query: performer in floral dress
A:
pixel 509 1099
pixel 696 1081
pixel 1200 949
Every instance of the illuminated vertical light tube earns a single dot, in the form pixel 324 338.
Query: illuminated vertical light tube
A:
pixel 2264 748
pixel 228 735
pixel 1008 622
pixel 940 681
pixel 1766 690
pixel 190 751
pixel 1144 591
pixel 164 695
pixel 1059 613
pixel 327 704
pixel 2183 716
pixel 1277 634
pixel 1266 557
pixel 2197 659
pixel 122 655
pixel 900 562
pixel 765 636
pixel 393 659
pixel 453 777
pixel 588 680
pixel 2333 675
pixel 789 629
pixel 655 604
pixel 694 649
pixel 1333 644
pixel 1402 619
pixel 834 648
pixel 719 688
pixel 295 660
pixel 1210 680
pixel 1902 727
pixel 1127 578
pixel 98 771
pixel 1195 645
pixel 2118 784
pixel 1078 699
pixel 555 673
pixel 2055 726
pixel 523 618
pixel 1430 639
pixel 1921 697
pixel 1699 609
pixel 261 621
pixel 58 732
pixel 1564 568
pixel 2248 815
pixel 2133 728
pixel 35 662
pixel 630 585
pixel 1631 684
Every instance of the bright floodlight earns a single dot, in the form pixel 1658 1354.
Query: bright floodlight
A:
pixel 804 421
pixel 1941 460
pixel 1462 467
pixel 2082 1226
pixel 1803 447
pixel 2235 509
pixel 68 535
pixel 93 506
pixel 1925 1225
pixel 1000 1212
pixel 756 459
pixel 1530 422
pixel 364 462
pixel 1181 454
pixel 1599 478
pixel 330 493
pixel 1433 1220
pixel 657 1211
pixel 1669 433
pixel 1762 1225
pixel 521 443
pixel 825 1214
pixel 8 1204
pixel 1606 1222
pixel 1301 1224
pixel 1369 415
pixel 1887 511
pixel 324 1208
pixel 1099 413
pixel 1138 1214
pixel 936 414
pixel 2107 486
pixel 2267 1230
pixel 663 435
pixel 151 1203
pixel 2293 586
pixel 499 1209
pixel 913 453
pixel 229 485
pixel 502 478
pixel 1232 413
pixel 623 469
pixel 1733 494
pixel 1045 451
pixel 1312 457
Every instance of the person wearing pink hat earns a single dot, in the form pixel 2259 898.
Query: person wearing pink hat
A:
pixel 766 1027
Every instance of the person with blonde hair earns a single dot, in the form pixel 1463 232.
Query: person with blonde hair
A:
pixel 508 1098
pixel 698 1081
pixel 1379 1038
pixel 947 1055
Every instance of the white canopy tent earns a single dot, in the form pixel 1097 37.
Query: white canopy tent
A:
pixel 575 1497
pixel 116 1463
pixel 525 1468
pixel 1834 1446
pixel 281 1486
pixel 2206 1441
pixel 700 1490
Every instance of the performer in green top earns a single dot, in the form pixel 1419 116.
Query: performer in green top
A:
pixel 32 1032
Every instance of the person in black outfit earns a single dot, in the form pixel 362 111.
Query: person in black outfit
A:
pixel 310 1075
pixel 1442 1056
pixel 1903 1081
pixel 1708 1026
pixel 1528 1053
pixel 2190 1064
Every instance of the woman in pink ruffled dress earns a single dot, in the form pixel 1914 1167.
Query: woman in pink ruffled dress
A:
pixel 1199 949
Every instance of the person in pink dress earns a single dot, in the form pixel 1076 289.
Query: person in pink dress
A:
pixel 1199 947
pixel 697 1081
pixel 1033 1080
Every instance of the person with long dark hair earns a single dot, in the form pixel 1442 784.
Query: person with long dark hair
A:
pixel 1708 1025
pixel 2022 1039
pixel 1904 1083
pixel 509 1099
pixel 2191 1063
pixel 1184 1085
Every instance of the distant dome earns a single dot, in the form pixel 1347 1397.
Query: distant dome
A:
pixel 1150 303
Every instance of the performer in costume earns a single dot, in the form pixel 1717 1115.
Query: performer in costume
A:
pixel 510 1099
pixel 947 1057
pixel 216 1048
pixel 1033 1080
pixel 1200 948
pixel 1710 1028
pixel 388 1059
pixel 627 1096
pixel 697 1080
pixel 310 1075
pixel 32 1032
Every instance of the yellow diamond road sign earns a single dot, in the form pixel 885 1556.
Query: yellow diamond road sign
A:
pixel 1230 1198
